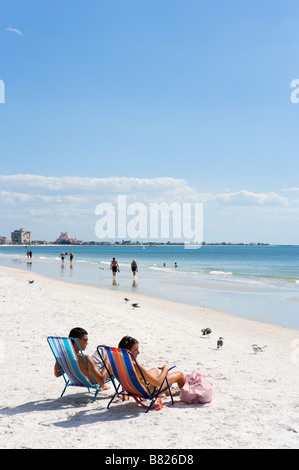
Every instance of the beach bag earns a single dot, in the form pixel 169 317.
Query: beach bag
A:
pixel 197 389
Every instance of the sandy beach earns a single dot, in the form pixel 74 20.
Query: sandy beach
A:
pixel 255 403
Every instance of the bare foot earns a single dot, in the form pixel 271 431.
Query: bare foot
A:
pixel 104 387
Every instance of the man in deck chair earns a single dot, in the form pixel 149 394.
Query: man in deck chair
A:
pixel 81 336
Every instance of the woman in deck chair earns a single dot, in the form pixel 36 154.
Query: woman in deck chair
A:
pixel 154 377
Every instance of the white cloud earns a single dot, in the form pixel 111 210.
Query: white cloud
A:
pixel 146 189
pixel 248 198
pixel 48 205
pixel 14 30
pixel 82 191
pixel 164 188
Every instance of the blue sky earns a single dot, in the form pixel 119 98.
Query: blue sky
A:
pixel 139 95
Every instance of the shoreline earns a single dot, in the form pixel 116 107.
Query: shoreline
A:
pixel 262 293
pixel 152 244
pixel 251 407
pixel 155 301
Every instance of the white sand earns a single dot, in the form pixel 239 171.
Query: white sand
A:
pixel 256 407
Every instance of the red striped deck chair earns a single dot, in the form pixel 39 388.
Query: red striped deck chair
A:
pixel 126 370
pixel 69 366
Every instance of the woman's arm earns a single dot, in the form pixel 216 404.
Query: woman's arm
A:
pixel 153 376
pixel 156 378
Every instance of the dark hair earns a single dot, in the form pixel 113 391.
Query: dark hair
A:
pixel 77 333
pixel 127 342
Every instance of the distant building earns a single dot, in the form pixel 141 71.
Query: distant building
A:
pixel 21 236
pixel 2 240
pixel 64 239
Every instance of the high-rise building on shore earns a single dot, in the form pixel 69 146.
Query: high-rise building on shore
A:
pixel 21 236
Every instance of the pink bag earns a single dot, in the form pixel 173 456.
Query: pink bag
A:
pixel 197 389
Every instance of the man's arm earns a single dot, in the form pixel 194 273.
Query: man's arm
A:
pixel 99 375
pixel 57 372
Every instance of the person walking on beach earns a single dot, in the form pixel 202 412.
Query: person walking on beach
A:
pixel 62 256
pixel 29 256
pixel 71 257
pixel 115 267
pixel 134 267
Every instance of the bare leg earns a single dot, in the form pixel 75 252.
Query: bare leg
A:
pixel 177 377
pixel 173 377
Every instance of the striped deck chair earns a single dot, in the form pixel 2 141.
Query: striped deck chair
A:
pixel 69 366
pixel 126 370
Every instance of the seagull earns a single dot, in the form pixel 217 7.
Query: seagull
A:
pixel 135 305
pixel 126 300
pixel 220 342
pixel 31 282
pixel 206 331
pixel 257 348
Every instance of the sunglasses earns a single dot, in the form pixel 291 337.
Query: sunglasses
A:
pixel 84 339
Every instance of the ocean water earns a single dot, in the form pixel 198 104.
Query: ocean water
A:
pixel 255 282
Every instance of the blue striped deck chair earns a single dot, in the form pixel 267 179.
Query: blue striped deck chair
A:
pixel 69 366
pixel 124 367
